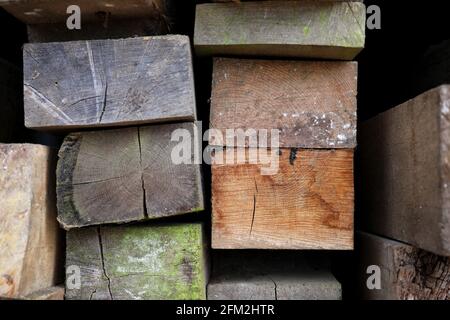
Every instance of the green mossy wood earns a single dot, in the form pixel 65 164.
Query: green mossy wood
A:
pixel 138 262
pixel 123 175
pixel 311 29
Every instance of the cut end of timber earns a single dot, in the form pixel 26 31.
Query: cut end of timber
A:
pixel 247 275
pixel 313 104
pixel 309 29
pixel 158 262
pixel 119 82
pixel 125 175
pixel 305 203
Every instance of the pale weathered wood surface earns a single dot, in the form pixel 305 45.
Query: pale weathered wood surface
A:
pixel 327 30
pixel 95 83
pixel 312 104
pixel 407 273
pixel 405 174
pixel 10 101
pixel 51 293
pixel 307 204
pixel 29 233
pixel 52 11
pixel 255 275
pixel 123 175
pixel 139 262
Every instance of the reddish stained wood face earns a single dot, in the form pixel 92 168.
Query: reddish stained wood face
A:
pixel 308 204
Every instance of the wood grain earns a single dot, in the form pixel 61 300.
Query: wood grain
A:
pixel 51 293
pixel 308 204
pixel 274 275
pixel 407 273
pixel 30 248
pixel 123 175
pixel 99 83
pixel 311 29
pixel 157 262
pixel 405 172
pixel 50 11
pixel 312 104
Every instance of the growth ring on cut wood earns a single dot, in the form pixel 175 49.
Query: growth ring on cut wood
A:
pixel 311 104
pixel 158 262
pixel 123 175
pixel 307 204
pixel 101 83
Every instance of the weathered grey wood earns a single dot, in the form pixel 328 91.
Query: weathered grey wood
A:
pixel 123 175
pixel 328 30
pixel 114 29
pixel 96 83
pixel 405 176
pixel 138 262
pixel 312 104
pixel 51 11
pixel 30 240
pixel 270 276
pixel 407 273
pixel 10 102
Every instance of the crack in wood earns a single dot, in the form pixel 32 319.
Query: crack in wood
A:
pixel 48 105
pixel 142 175
pixel 356 19
pixel 81 100
pixel 275 288
pixel 101 180
pixel 92 294
pixel 254 207
pixel 102 257
pixel 31 56
pixel 104 101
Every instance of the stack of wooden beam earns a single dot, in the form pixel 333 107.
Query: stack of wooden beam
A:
pixel 404 183
pixel 307 201
pixel 106 174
